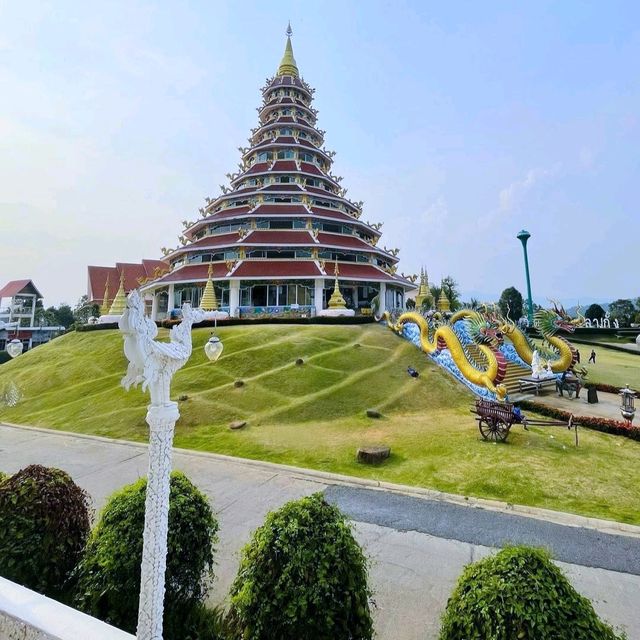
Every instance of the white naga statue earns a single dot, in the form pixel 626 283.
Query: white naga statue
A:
pixel 153 364
pixel 537 370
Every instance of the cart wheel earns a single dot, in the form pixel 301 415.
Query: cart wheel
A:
pixel 484 424
pixel 501 430
pixel 494 429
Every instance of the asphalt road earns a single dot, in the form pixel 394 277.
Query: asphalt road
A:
pixel 417 547
pixel 477 526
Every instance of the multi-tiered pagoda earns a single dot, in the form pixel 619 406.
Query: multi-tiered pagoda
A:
pixel 274 239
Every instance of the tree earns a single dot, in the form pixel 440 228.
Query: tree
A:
pixel 108 576
pixel 64 315
pixel 510 303
pixel 302 575
pixel 519 593
pixel 622 310
pixel 452 292
pixel 46 317
pixel 84 310
pixel 44 524
pixel 594 312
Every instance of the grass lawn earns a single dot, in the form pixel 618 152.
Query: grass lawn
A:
pixel 313 415
pixel 612 367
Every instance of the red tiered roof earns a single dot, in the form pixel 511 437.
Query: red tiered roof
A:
pixel 349 271
pixel 277 269
pixel 284 165
pixel 283 187
pixel 280 237
pixel 133 273
pixel 309 167
pixel 293 209
pixel 221 240
pixel 195 272
pixel 269 123
pixel 258 167
pixel 343 240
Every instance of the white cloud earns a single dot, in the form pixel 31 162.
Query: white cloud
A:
pixel 510 197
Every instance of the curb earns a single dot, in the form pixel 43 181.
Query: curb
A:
pixel 325 477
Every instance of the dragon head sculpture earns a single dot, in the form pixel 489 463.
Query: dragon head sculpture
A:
pixel 549 321
pixel 484 330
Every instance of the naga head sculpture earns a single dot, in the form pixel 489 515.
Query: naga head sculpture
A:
pixel 484 329
pixel 501 392
pixel 549 321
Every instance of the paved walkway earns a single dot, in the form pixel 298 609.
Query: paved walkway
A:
pixel 418 546
pixel 634 348
pixel 608 405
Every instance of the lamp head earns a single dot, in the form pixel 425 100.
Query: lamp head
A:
pixel 15 347
pixel 213 348
pixel 523 236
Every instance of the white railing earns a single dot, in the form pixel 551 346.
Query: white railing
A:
pixel 27 615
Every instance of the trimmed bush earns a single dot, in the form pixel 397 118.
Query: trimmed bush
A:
pixel 44 524
pixel 108 577
pixel 519 594
pixel 605 425
pixel 302 575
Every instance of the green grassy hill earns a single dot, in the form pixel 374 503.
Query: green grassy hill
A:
pixel 313 415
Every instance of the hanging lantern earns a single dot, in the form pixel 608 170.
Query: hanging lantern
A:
pixel 213 348
pixel 627 407
pixel 15 347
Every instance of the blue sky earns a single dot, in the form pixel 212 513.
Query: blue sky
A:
pixel 457 123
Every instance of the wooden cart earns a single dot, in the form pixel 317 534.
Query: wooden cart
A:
pixel 495 419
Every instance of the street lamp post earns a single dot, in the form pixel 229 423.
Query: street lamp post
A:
pixel 15 346
pixel 153 364
pixel 523 236
pixel 627 406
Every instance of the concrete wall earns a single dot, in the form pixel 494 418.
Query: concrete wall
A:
pixel 27 615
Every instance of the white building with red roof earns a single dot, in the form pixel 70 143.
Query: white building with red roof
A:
pixel 274 235
pixel 19 300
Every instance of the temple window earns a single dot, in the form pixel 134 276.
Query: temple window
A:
pixel 281 224
pixel 286 154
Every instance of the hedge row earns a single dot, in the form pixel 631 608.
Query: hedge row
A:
pixel 302 575
pixel 244 321
pixel 605 425
pixel 601 345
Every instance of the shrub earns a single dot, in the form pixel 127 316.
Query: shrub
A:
pixel 302 575
pixel 44 524
pixel 519 594
pixel 3 476
pixel 108 577
pixel 605 425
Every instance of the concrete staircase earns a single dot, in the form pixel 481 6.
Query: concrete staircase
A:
pixel 513 373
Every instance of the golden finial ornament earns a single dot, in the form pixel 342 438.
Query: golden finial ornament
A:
pixel 209 301
pixel 120 301
pixel 337 301
pixel 288 66
pixel 105 298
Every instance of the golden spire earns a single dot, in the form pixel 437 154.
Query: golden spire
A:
pixel 120 301
pixel 424 295
pixel 424 283
pixel 104 310
pixel 288 65
pixel 209 301
pixel 337 301
pixel 443 301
